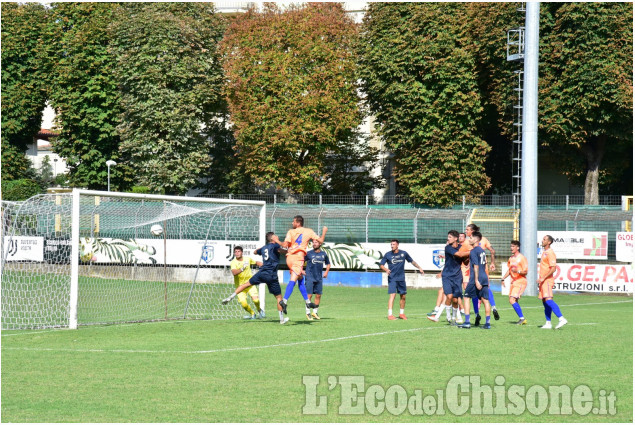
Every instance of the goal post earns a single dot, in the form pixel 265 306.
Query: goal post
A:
pixel 94 257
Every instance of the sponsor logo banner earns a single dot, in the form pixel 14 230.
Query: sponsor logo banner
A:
pixel 366 256
pixel 24 248
pixel 577 245
pixel 152 251
pixel 624 247
pixel 588 278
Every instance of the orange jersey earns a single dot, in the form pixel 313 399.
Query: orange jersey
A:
pixel 547 260
pixel 520 262
pixel 465 264
pixel 299 239
pixel 484 243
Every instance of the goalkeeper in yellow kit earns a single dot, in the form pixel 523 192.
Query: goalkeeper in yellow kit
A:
pixel 241 269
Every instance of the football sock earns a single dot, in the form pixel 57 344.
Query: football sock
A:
pixel 487 319
pixel 467 318
pixel 475 302
pixel 547 311
pixel 257 304
pixel 390 311
pixel 554 307
pixel 281 314
pixel 302 288
pixel 448 313
pixel 437 313
pixel 316 308
pixel 518 310
pixel 455 313
pixel 243 301
pixel 491 299
pixel 232 296
pixel 401 311
pixel 308 310
pixel 289 290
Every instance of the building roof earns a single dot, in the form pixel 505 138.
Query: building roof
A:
pixel 45 132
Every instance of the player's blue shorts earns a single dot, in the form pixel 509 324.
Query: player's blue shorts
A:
pixel 270 278
pixel 472 292
pixel 453 286
pixel 397 287
pixel 313 287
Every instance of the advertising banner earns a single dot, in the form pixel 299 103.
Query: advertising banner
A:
pixel 219 253
pixel 24 248
pixel 366 256
pixel 624 247
pixel 577 245
pixel 155 251
pixel 588 278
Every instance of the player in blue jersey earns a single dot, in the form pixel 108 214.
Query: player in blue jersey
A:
pixel 396 260
pixel 268 274
pixel 478 286
pixel 452 279
pixel 314 271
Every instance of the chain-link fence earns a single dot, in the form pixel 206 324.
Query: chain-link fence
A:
pixel 462 201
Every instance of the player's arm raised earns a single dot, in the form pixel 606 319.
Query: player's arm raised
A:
pixel 321 238
pixel 284 245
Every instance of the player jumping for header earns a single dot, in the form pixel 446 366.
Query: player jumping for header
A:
pixel 296 243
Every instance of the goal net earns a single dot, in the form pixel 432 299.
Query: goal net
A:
pixel 91 257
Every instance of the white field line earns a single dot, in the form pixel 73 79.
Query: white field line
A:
pixel 4 334
pixel 222 350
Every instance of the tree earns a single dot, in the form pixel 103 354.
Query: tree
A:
pixel 587 91
pixel 419 75
pixel 170 80
pixel 46 172
pixel 84 92
pixel 292 92
pixel 487 25
pixel 25 72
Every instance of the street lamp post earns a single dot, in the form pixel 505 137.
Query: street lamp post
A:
pixel 109 163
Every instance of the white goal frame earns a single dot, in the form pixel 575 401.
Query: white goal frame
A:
pixel 75 230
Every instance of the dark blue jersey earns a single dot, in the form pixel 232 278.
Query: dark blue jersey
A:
pixel 452 267
pixel 270 258
pixel 396 263
pixel 478 257
pixel 315 262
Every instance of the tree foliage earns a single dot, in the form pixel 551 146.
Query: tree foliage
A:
pixel 419 74
pixel 586 93
pixel 25 69
pixel 84 91
pixel 292 92
pixel 487 25
pixel 170 79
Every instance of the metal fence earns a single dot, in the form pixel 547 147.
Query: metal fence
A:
pixel 351 224
pixel 367 200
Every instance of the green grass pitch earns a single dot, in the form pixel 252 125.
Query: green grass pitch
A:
pixel 252 371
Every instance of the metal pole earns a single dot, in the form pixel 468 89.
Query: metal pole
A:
pixel 108 177
pixel 529 184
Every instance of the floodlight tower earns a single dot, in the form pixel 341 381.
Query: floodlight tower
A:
pixel 529 186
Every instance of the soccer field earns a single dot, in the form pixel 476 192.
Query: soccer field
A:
pixel 252 371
